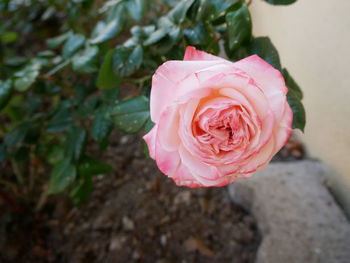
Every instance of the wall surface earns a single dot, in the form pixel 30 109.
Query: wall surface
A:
pixel 313 38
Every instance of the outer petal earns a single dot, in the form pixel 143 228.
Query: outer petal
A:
pixel 166 79
pixel 150 139
pixel 193 54
pixel 269 79
pixel 283 128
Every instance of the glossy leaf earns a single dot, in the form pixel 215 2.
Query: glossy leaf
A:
pixel 280 2
pixel 101 127
pixel 62 175
pixel 178 13
pixel 5 92
pixel 126 61
pixel 110 30
pixel 136 8
pixel 107 79
pixel 56 41
pixel 239 27
pixel 130 116
pixel 82 190
pixel 299 116
pixel 73 43
pixel 85 61
pixel 26 76
pixel 75 143
pixel 60 121
pixel 156 36
pixel 89 166
pixel 291 84
pixel 263 47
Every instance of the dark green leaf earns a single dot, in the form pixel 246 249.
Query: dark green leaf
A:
pixel 27 76
pixel 129 116
pixel 85 61
pixel 62 175
pixel 56 41
pixel 55 154
pixel 299 117
pixel 149 125
pixel 110 30
pixel 60 121
pixel 136 8
pixel 89 166
pixel 5 92
pixel 291 84
pixel 17 135
pixel 156 36
pixel 126 61
pixel 73 43
pixel 82 190
pixel 239 27
pixel 75 143
pixel 101 127
pixel 178 13
pixel 198 35
pixel 263 47
pixel 107 79
pixel 281 2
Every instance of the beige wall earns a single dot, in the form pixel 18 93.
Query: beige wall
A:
pixel 313 38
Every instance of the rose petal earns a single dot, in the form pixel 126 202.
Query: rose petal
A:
pixel 193 54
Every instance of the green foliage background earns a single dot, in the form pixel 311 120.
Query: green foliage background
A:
pixel 65 63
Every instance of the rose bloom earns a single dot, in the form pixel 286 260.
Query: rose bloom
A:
pixel 216 121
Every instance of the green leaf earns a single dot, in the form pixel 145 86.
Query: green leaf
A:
pixel 149 125
pixel 89 166
pixel 107 79
pixel 73 43
pixel 291 84
pixel 62 175
pixel 60 121
pixel 280 2
pixel 239 27
pixel 85 61
pixel 55 154
pixel 101 127
pixel 299 117
pixel 263 47
pixel 110 30
pixel 17 135
pixel 156 36
pixel 178 13
pixel 5 92
pixel 25 77
pixel 56 41
pixel 75 143
pixel 136 8
pixel 130 116
pixel 82 190
pixel 198 35
pixel 126 61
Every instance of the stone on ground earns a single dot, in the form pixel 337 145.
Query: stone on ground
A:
pixel 298 217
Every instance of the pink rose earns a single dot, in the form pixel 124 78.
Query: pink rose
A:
pixel 215 120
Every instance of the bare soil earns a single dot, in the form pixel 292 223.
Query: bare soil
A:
pixel 135 214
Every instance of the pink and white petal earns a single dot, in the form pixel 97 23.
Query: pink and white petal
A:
pixel 192 53
pixel 183 177
pixel 168 128
pixel 283 128
pixel 166 79
pixel 269 79
pixel 206 175
pixel 167 162
pixel 150 139
pixel 259 160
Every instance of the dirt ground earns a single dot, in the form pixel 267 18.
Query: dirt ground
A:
pixel 135 214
